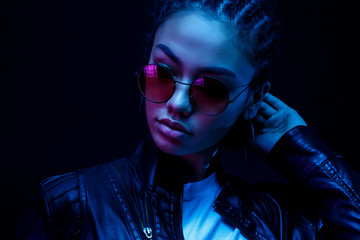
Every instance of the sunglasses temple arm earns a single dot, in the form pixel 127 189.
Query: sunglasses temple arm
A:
pixel 231 101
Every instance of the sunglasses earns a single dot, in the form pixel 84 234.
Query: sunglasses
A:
pixel 208 96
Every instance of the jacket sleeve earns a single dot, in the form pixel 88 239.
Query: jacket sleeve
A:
pixel 333 187
pixel 56 212
pixel 35 223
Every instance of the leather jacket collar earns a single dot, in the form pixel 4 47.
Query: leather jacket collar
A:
pixel 145 161
pixel 150 166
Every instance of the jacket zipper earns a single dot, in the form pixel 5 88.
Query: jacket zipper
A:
pixel 179 216
pixel 178 199
pixel 145 229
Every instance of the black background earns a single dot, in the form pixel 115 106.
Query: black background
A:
pixel 69 96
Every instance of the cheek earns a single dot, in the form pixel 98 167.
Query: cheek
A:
pixel 218 126
pixel 213 127
pixel 151 110
pixel 227 119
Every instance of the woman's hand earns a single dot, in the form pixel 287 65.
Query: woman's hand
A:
pixel 272 121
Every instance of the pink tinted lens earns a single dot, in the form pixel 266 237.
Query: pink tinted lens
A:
pixel 156 83
pixel 209 95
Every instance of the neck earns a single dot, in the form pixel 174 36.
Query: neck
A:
pixel 190 167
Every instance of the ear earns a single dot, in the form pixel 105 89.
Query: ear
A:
pixel 255 100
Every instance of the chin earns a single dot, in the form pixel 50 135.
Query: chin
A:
pixel 175 148
pixel 180 148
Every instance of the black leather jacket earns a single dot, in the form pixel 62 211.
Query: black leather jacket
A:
pixel 116 200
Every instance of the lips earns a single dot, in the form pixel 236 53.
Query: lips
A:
pixel 175 125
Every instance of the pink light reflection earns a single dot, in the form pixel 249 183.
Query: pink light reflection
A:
pixel 151 71
pixel 199 82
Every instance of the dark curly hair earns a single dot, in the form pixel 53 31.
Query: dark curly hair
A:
pixel 250 20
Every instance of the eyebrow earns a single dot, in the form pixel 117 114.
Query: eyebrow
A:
pixel 218 71
pixel 169 53
pixel 210 70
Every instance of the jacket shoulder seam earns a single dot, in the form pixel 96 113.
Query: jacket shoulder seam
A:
pixel 63 202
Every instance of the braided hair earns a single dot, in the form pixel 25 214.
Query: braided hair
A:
pixel 251 21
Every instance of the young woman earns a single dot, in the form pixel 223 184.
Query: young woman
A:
pixel 206 78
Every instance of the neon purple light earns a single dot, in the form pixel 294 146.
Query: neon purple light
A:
pixel 199 82
pixel 151 71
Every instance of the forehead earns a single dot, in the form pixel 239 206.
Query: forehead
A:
pixel 200 41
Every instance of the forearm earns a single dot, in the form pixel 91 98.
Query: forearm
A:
pixel 303 158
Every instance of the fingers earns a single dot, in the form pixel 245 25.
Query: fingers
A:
pixel 260 119
pixel 266 110
pixel 270 106
pixel 274 102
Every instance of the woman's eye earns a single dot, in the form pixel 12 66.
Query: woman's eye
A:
pixel 211 84
pixel 167 68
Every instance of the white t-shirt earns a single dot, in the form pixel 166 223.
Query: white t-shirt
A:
pixel 200 220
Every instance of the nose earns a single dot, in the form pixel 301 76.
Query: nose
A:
pixel 179 103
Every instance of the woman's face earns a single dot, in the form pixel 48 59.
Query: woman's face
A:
pixel 193 45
